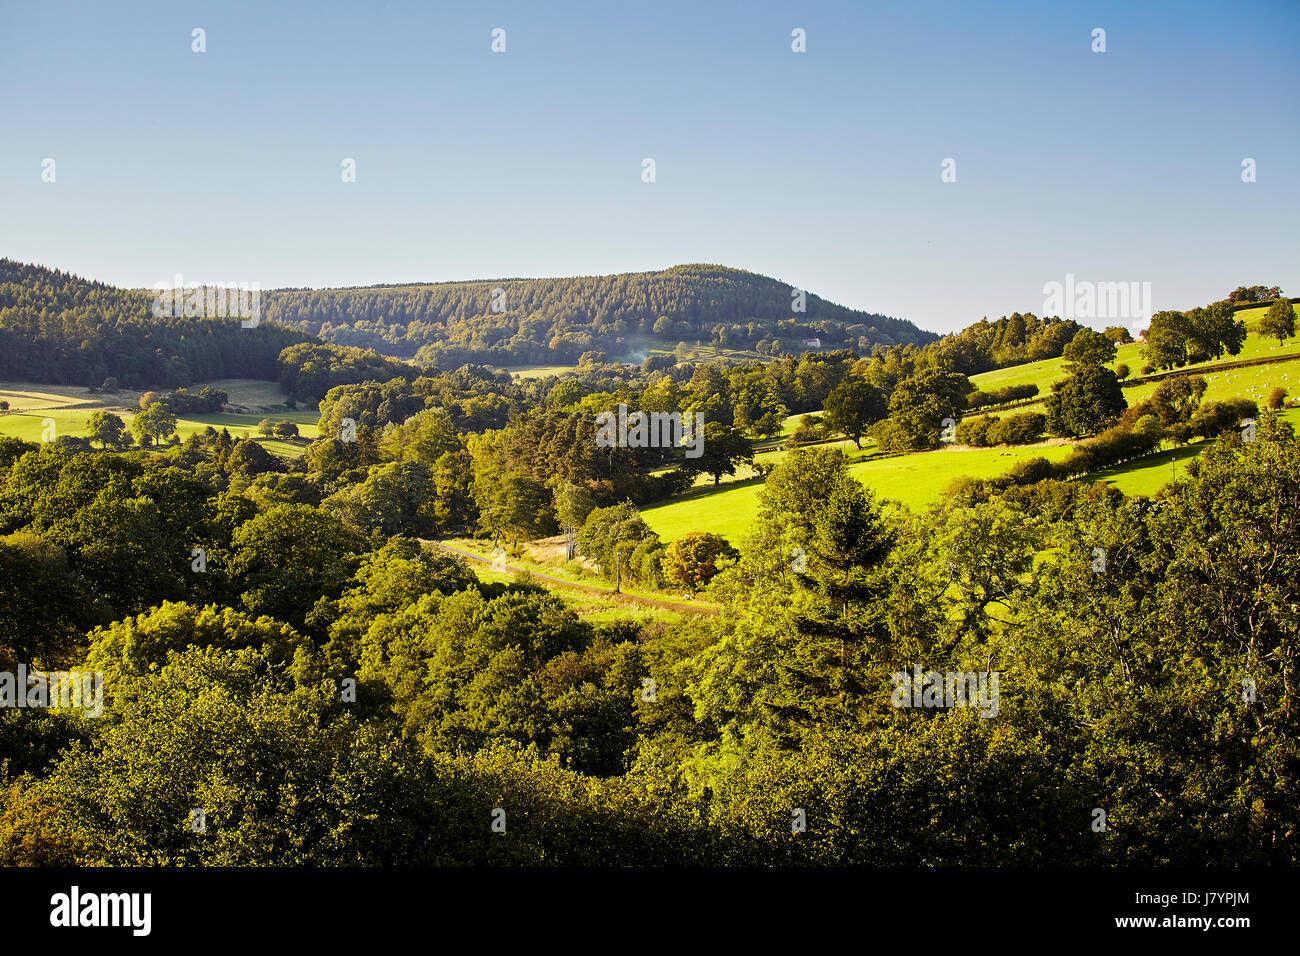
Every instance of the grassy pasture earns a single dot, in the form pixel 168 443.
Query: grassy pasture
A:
pixel 526 372
pixel 1254 382
pixel 915 480
pixel 253 394
pixel 1043 373
pixel 1147 475
pixel 592 608
pixel 70 408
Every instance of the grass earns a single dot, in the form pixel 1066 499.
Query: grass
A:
pixel 727 511
pixel 915 480
pixel 70 407
pixel 525 372
pixel 1147 475
pixel 1043 373
pixel 592 608
pixel 920 479
pixel 1254 382
pixel 253 394
pixel 21 395
pixel 546 556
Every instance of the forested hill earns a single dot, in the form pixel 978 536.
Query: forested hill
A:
pixel 60 328
pixel 543 320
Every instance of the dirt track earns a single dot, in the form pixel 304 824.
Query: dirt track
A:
pixel 589 588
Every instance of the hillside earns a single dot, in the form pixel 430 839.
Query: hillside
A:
pixel 58 328
pixel 540 320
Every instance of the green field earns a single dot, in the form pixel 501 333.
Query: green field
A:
pixel 1254 382
pixel 727 511
pixel 545 557
pixel 915 480
pixel 69 409
pixel 1146 476
pixel 525 372
pixel 251 393
pixel 592 608
pixel 1043 373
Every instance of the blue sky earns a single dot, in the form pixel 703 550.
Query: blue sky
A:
pixel 821 169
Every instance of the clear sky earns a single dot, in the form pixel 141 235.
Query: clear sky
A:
pixel 821 168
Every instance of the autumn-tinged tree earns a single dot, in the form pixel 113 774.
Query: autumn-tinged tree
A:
pixel 692 561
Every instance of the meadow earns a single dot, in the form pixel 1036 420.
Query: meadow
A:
pixel 919 479
pixel 546 557
pixel 70 408
pixel 1046 371
pixel 915 480
pixel 1147 475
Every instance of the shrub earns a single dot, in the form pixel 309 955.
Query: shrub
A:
pixel 1000 396
pixel 646 562
pixel 1277 397
pixel 1028 472
pixel 692 560
pixel 890 436
pixel 810 428
pixel 975 431
pixel 1022 429
pixel 1211 419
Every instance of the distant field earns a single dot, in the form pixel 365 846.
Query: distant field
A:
pixel 1044 373
pixel 70 408
pixel 592 608
pixel 1254 382
pixel 252 393
pixel 526 372
pixel 23 395
pixel 727 511
pixel 917 480
pixel 845 445
pixel 545 558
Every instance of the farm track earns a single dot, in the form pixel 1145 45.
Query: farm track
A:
pixel 577 586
